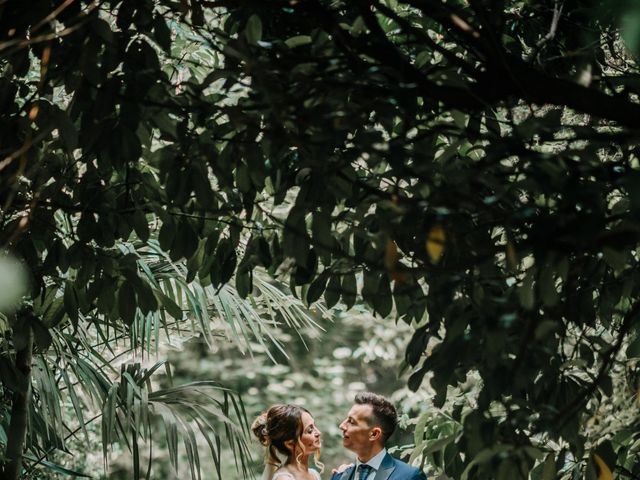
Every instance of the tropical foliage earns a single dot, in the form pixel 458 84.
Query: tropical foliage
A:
pixel 470 168
pixel 98 367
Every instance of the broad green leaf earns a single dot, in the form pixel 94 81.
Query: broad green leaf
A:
pixel 549 469
pixel 616 259
pixel 243 282
pixel 253 30
pixel 349 289
pixel 172 307
pixel 633 349
pixel 332 293
pixel 71 301
pixel 141 225
pixel 296 242
pixel 297 41
pixel 322 238
pixel 317 287
pixel 127 304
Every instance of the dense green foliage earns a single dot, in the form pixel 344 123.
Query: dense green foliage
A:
pixel 470 168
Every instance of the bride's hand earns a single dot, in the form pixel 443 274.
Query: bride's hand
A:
pixel 341 468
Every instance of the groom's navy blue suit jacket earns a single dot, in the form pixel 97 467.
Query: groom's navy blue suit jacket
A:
pixel 390 469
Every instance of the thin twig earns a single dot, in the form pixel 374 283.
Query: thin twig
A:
pixel 557 12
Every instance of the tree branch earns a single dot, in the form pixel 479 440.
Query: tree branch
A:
pixel 562 417
pixel 20 407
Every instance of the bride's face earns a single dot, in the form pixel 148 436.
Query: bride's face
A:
pixel 310 437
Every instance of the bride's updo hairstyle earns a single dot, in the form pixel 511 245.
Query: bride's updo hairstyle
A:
pixel 259 428
pixel 275 427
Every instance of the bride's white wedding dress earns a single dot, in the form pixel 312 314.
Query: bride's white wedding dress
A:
pixel 270 473
pixel 288 476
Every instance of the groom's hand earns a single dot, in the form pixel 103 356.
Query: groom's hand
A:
pixel 341 468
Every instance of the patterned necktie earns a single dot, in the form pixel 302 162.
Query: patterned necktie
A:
pixel 363 471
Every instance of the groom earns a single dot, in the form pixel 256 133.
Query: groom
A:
pixel 365 431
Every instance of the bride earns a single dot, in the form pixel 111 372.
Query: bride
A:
pixel 289 432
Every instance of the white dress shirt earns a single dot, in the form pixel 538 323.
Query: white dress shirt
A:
pixel 374 463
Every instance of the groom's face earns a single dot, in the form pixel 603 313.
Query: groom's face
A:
pixel 355 428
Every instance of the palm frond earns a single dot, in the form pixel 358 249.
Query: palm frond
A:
pixel 133 413
pixel 252 319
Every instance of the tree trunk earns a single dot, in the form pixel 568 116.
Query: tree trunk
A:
pixel 19 413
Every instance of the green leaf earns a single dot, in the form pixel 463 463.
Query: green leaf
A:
pixel 459 118
pixel 243 282
pixel 185 242
pixel 141 225
pixel 102 29
pixel 228 267
pixel 41 335
pixel 615 259
pixel 162 33
pixel 633 349
pixel 432 446
pixel 317 287
pixel 549 470
pixel 71 301
pixel 631 28
pixel 131 150
pixel 547 286
pixel 297 41
pixel 382 300
pixel 54 467
pixel 606 385
pixel 146 298
pixel 545 328
pixel 54 313
pixel 417 345
pixel 264 253
pixel 243 180
pixel 370 284
pixel 172 307
pixel 87 229
pixel 107 296
pixel 127 302
pixel 483 457
pixel 166 124
pixel 321 233
pixel 349 289
pixel 332 293
pixel 296 241
pixel 167 232
pixel 253 30
pixel 492 123
pixel 66 130
pixel 195 261
pixel 416 378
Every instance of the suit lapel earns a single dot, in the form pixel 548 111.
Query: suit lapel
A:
pixel 386 468
pixel 349 473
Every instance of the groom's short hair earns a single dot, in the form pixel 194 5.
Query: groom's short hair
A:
pixel 383 412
